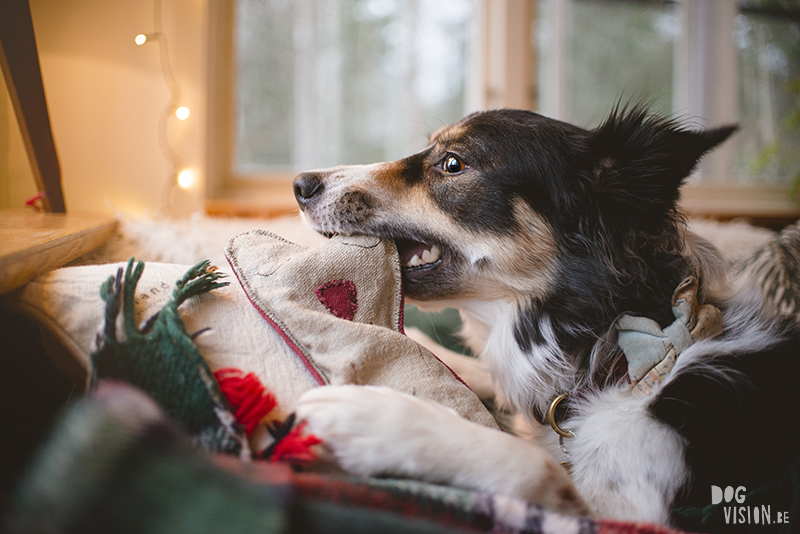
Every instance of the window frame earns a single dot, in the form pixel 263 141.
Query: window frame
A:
pixel 705 84
pixel 229 193
pixel 503 73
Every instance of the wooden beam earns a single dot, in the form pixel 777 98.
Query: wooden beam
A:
pixel 508 59
pixel 19 59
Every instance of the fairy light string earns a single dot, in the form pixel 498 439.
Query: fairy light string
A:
pixel 179 175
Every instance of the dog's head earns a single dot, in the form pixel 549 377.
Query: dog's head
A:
pixel 502 202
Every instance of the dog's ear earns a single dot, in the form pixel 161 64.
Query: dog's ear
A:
pixel 638 162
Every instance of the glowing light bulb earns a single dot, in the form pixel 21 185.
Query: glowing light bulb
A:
pixel 182 113
pixel 140 39
pixel 185 179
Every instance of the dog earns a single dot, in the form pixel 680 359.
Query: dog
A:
pixel 545 236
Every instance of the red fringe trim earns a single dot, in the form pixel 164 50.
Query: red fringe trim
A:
pixel 294 448
pixel 248 398
pixel 251 403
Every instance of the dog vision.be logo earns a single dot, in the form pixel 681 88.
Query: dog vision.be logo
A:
pixel 738 513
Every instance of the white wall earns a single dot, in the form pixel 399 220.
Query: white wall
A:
pixel 16 177
pixel 105 95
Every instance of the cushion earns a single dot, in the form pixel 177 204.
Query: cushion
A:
pixel 299 317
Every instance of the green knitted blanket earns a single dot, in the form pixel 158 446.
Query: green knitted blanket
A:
pixel 160 358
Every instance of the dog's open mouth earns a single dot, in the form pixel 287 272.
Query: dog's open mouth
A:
pixel 417 257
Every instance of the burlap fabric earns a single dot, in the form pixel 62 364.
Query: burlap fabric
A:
pixel 338 306
pixel 230 332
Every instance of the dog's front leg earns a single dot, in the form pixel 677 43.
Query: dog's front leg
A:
pixel 380 431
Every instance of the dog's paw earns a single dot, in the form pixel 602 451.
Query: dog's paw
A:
pixel 379 431
pixel 374 430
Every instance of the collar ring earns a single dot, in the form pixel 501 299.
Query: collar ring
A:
pixel 551 418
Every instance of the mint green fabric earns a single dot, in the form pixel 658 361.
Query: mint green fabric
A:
pixel 645 343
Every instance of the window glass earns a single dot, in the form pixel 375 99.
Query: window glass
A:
pixel 618 50
pixel 768 42
pixel 625 49
pixel 329 82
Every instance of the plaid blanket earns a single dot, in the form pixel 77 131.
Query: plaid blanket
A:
pixel 116 463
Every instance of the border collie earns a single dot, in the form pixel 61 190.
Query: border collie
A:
pixel 546 236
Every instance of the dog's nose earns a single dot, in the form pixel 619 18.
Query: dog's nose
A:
pixel 306 185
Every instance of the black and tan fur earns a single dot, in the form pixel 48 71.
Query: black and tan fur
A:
pixel 545 233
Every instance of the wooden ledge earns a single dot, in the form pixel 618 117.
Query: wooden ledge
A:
pixel 33 243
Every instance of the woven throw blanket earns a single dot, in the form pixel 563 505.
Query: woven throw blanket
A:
pixel 774 271
pixel 115 463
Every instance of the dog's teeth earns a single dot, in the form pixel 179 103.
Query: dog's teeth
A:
pixel 427 256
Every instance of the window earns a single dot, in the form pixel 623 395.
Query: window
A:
pixel 328 82
pixel 301 84
pixel 713 63
pixel 614 50
pixel 768 43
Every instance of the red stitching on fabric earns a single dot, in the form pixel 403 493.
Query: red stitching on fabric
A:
pixel 292 345
pixel 339 298
pixel 400 326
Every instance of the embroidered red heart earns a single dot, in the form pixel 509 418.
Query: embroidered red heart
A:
pixel 339 298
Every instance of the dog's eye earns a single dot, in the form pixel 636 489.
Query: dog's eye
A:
pixel 453 165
